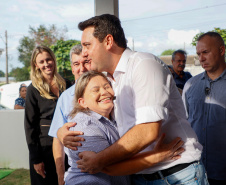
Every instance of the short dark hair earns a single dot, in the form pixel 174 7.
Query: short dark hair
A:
pixel 21 86
pixel 179 51
pixel 103 25
pixel 213 34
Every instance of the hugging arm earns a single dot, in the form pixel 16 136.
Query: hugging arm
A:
pixel 141 161
pixel 69 139
pixel 127 146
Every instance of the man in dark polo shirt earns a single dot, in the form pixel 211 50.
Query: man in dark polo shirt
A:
pixel 178 61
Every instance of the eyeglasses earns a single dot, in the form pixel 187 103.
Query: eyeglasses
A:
pixel 207 91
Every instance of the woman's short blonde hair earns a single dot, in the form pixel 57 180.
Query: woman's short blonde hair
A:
pixel 80 88
pixel 38 80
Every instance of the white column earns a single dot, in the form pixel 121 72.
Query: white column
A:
pixel 106 7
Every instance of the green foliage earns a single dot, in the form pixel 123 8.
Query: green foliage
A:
pixel 222 32
pixel 20 74
pixel 2 74
pixel 62 52
pixel 37 36
pixel 25 48
pixel 167 52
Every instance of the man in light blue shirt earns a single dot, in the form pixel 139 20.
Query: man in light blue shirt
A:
pixel 79 65
pixel 205 102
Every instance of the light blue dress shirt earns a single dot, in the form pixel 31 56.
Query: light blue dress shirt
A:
pixel 205 102
pixel 99 133
pixel 63 109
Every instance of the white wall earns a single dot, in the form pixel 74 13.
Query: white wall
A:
pixel 10 92
pixel 13 146
pixel 194 70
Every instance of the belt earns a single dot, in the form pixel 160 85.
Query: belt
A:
pixel 166 172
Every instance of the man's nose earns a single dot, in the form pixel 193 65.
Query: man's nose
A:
pixel 84 52
pixel 201 57
pixel 82 68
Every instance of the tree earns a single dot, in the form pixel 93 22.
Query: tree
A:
pixel 222 32
pixel 2 74
pixel 37 36
pixel 62 52
pixel 47 36
pixel 20 74
pixel 168 52
pixel 25 49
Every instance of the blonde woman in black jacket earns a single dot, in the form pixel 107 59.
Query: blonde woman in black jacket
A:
pixel 41 99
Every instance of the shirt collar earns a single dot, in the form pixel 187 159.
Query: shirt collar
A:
pixel 73 89
pixel 176 75
pixel 223 76
pixel 99 117
pixel 122 64
pixel 95 115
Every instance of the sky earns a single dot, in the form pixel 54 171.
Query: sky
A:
pixel 153 26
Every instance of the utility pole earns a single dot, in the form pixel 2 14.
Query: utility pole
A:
pixel 6 60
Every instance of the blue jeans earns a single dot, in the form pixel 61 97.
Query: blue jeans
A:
pixel 194 174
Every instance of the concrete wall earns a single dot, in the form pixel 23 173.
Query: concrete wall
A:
pixel 13 146
pixel 194 70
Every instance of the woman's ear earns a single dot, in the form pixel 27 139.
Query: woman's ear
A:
pixel 36 66
pixel 81 101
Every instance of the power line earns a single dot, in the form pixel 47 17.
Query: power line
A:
pixel 173 13
pixel 145 33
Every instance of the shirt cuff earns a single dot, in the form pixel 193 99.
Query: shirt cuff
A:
pixel 151 114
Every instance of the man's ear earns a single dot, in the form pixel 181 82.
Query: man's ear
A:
pixel 222 50
pixel 72 70
pixel 109 41
pixel 82 102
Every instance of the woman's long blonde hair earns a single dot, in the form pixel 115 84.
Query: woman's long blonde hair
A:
pixel 80 87
pixel 38 80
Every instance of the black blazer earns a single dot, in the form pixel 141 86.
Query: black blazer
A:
pixel 38 117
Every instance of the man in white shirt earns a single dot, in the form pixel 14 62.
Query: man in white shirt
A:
pixel 147 104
